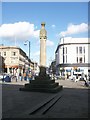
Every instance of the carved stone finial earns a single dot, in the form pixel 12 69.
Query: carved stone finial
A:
pixel 43 24
pixel 43 32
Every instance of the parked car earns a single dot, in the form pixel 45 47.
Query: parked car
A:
pixel 5 77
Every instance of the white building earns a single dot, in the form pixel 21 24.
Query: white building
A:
pixel 72 55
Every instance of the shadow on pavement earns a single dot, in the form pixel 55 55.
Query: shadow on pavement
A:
pixel 73 104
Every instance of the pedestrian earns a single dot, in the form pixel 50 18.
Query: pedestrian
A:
pixel 33 75
pixel 86 77
pixel 67 76
pixel 25 77
pixel 20 76
pixel 16 76
pixel 82 76
pixel 30 77
pixel 86 83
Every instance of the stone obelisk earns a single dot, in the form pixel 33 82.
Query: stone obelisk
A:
pixel 43 38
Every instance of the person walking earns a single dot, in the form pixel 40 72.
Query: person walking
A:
pixel 30 77
pixel 25 77
pixel 20 76
pixel 16 76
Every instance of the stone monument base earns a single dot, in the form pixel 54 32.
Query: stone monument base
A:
pixel 42 83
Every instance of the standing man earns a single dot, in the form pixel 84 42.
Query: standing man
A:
pixel 20 76
pixel 16 76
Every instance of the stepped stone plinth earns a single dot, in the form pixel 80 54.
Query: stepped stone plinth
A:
pixel 42 83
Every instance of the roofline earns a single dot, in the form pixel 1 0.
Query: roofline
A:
pixel 68 44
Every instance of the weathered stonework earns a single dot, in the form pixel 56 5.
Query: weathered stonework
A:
pixel 43 37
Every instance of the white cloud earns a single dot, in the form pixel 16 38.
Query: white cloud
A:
pixel 20 30
pixel 75 29
pixel 53 26
pixel 49 43
pixel 36 27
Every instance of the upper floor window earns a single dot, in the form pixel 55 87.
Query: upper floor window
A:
pixel 84 58
pixel 80 59
pixel 13 53
pixel 84 50
pixel 77 59
pixel 77 50
pixel 80 50
pixel 66 50
pixel 4 53
pixel 66 58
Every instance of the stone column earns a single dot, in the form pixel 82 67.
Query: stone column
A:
pixel 42 83
pixel 43 37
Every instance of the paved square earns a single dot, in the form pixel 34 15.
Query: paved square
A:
pixel 18 104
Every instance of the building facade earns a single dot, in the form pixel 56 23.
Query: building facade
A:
pixel 15 59
pixel 72 55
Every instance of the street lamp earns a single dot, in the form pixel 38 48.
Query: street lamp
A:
pixel 29 50
pixel 29 46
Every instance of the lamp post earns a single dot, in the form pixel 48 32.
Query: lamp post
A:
pixel 29 46
pixel 29 49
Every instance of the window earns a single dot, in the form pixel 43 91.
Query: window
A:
pixel 77 59
pixel 66 58
pixel 13 53
pixel 84 58
pixel 80 50
pixel 63 50
pixel 84 50
pixel 63 58
pixel 4 53
pixel 65 55
pixel 80 59
pixel 66 50
pixel 77 50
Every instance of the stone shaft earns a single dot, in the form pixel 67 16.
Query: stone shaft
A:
pixel 43 37
pixel 43 53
